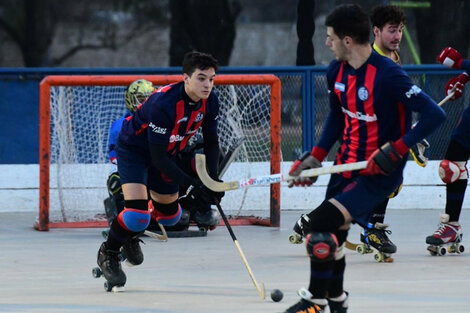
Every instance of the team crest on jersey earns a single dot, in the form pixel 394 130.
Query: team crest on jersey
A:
pixel 340 87
pixel 199 117
pixel 363 93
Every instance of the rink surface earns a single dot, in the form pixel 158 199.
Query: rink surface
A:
pixel 51 271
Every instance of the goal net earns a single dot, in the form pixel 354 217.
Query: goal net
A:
pixel 76 113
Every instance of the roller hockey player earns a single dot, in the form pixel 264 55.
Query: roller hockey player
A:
pixel 453 169
pixel 147 148
pixel 367 132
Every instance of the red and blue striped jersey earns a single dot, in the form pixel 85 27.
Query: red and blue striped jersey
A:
pixel 372 105
pixel 169 118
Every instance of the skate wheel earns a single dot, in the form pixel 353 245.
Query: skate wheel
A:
pixel 441 251
pixel 96 272
pixel 361 249
pixel 378 257
pixel 203 229
pixel 460 249
pixel 107 286
pixel 295 239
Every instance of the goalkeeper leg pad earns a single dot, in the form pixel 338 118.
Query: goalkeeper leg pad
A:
pixel 167 214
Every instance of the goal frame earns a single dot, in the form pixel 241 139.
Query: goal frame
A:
pixel 44 224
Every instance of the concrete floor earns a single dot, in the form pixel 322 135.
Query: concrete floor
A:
pixel 51 271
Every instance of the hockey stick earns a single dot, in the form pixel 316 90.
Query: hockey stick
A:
pixel 259 287
pixel 162 237
pixel 269 179
pixel 449 96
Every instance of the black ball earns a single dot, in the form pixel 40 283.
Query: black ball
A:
pixel 276 295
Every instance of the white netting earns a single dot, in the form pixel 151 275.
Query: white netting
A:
pixel 80 120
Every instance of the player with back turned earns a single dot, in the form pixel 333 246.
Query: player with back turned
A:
pixel 148 143
pixel 453 169
pixel 371 104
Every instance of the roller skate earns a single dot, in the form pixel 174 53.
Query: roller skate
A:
pixel 374 239
pixel 207 220
pixel 306 305
pixel 447 238
pixel 339 306
pixel 110 267
pixel 131 251
pixel 299 229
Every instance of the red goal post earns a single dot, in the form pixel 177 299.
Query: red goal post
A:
pixel 62 126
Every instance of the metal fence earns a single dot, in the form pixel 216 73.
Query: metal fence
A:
pixel 304 105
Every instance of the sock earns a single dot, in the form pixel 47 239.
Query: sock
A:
pixel 378 213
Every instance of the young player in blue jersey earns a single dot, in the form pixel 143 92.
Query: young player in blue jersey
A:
pixel 371 104
pixel 453 169
pixel 148 143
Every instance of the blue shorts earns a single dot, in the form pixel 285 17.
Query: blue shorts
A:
pixel 361 194
pixel 135 166
pixel 461 133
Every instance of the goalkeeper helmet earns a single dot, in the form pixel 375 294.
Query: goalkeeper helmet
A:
pixel 137 93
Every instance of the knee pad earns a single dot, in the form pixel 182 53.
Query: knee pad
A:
pixel 321 247
pixel 166 214
pixel 450 171
pixel 135 218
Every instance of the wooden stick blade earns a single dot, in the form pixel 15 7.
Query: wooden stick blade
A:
pixel 268 179
pixel 208 181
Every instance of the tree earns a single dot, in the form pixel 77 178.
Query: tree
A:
pixel 204 25
pixel 99 24
pixel 443 25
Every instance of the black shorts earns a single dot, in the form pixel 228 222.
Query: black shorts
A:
pixel 135 166
pixel 359 195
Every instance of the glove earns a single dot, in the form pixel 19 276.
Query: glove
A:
pixel 203 195
pixel 458 83
pixel 306 161
pixel 387 158
pixel 418 152
pixel 450 57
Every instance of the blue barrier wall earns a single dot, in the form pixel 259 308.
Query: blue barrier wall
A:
pixel 19 103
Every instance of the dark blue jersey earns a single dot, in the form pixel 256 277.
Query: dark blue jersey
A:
pixel 168 118
pixel 373 105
